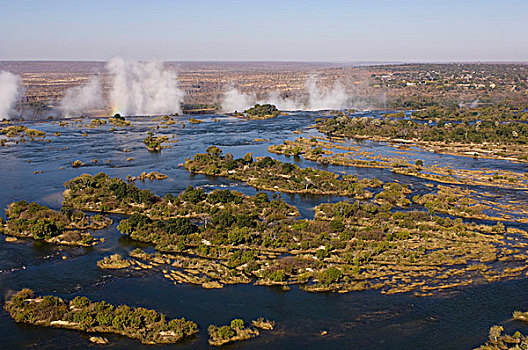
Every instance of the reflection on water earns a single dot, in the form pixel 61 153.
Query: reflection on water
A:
pixel 364 319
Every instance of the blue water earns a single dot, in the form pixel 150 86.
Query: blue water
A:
pixel 459 319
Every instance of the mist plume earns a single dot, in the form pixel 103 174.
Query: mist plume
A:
pixel 10 92
pixel 235 100
pixel 143 88
pixel 83 98
pixel 316 99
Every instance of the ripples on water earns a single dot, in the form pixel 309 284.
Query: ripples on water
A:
pixel 366 319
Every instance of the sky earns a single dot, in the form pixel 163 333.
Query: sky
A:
pixel 273 30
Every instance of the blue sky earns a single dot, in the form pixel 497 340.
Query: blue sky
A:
pixel 332 30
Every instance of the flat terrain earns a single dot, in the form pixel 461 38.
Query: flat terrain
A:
pixel 391 86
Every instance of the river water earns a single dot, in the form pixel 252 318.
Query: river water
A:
pixel 459 319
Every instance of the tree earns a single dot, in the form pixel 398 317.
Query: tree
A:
pixel 278 276
pixel 222 196
pixel 331 275
pixel 214 151
pixel 223 219
pixel 237 323
pixel 80 302
pixel 261 198
pixel 288 168
pixel 225 332
pixel 248 158
pixel 336 225
pixel 45 229
pixel 266 162
pixel 244 220
pixel 193 195
pixel 178 226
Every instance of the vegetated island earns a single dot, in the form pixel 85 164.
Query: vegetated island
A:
pixel 487 139
pixel 153 175
pixel 497 340
pixel 273 175
pixel 467 203
pixel 258 112
pixel 449 200
pixel 237 331
pixel 118 120
pixel 114 261
pixel 153 143
pixel 145 325
pixel 224 237
pixel 21 133
pixel 322 152
pixel 67 227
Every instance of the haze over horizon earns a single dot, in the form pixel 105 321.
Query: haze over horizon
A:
pixel 334 31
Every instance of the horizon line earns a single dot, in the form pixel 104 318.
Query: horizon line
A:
pixel 365 62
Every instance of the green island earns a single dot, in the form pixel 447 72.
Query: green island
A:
pixel 67 226
pixel 497 340
pixel 467 203
pixel 77 164
pixel 96 122
pixel 153 143
pixel 322 152
pixel 486 139
pixel 114 261
pixel 224 237
pixel 265 111
pixel 153 175
pixel 106 195
pixel 491 112
pixel 273 175
pixel 82 314
pixel 21 133
pixel 237 331
pixel 118 120
pixel 200 108
pixel 165 121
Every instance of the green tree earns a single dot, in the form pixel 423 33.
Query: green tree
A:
pixel 214 151
pixel 237 323
pixel 45 229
